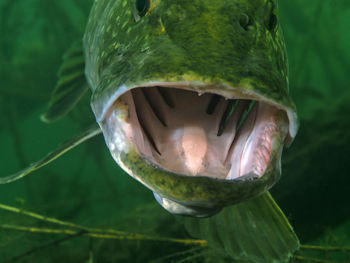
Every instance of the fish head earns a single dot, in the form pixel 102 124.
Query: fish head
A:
pixel 192 97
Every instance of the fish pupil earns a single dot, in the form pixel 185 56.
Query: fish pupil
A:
pixel 142 6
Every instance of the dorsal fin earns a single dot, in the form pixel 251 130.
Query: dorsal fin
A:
pixel 71 84
pixel 254 231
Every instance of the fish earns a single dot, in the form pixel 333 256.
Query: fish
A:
pixel 192 98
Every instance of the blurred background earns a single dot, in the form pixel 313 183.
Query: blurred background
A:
pixel 86 186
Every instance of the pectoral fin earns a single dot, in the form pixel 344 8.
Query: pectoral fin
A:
pixel 62 149
pixel 71 84
pixel 254 231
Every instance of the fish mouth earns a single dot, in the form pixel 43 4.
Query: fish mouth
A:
pixel 201 134
pixel 196 132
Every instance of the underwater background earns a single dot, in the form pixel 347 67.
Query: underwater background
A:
pixel 86 187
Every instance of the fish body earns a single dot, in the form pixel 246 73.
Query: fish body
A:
pixel 192 97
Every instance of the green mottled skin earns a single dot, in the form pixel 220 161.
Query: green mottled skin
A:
pixel 197 41
pixel 181 40
pixel 198 190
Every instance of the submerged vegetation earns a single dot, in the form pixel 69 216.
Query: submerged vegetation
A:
pixel 86 186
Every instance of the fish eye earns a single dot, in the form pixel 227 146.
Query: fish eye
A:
pixel 272 23
pixel 143 6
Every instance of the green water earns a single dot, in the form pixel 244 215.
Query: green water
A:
pixel 86 186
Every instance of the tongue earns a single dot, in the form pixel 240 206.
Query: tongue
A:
pixel 194 145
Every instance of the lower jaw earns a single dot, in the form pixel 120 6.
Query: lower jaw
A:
pixel 198 196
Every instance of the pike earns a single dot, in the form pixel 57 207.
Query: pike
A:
pixel 192 99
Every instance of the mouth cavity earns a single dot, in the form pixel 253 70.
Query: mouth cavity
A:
pixel 201 134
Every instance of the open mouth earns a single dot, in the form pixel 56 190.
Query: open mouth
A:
pixel 199 134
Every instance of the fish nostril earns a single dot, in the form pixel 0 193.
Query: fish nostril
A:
pixel 245 21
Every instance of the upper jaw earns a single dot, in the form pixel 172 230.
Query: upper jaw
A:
pixel 183 160
pixel 103 98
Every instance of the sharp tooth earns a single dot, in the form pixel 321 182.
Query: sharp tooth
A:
pixel 157 113
pixel 245 114
pixel 149 137
pixel 239 154
pixel 212 104
pixel 248 177
pixel 232 104
pixel 230 129
pixel 147 123
pixel 166 96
